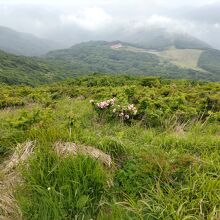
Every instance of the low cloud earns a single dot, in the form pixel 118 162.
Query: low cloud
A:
pixel 73 21
pixel 91 19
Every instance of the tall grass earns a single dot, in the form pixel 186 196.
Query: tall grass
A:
pixel 61 188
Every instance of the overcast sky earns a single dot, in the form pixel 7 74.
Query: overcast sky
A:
pixel 60 19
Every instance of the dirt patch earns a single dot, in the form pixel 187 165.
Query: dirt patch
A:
pixel 69 148
pixel 10 178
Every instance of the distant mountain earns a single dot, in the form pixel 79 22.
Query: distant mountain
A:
pixel 111 58
pixel 24 44
pixel 148 37
pixel 25 70
pixel 119 57
pixel 160 39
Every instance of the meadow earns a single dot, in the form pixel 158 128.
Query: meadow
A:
pixel 163 138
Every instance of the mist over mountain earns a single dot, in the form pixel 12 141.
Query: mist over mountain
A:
pixel 160 39
pixel 71 22
pixel 151 38
pixel 26 44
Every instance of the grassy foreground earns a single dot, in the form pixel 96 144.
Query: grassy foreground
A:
pixel 166 158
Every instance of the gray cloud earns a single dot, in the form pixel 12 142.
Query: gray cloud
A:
pixel 73 21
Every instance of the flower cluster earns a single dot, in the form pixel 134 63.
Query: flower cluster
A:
pixel 106 103
pixel 132 108
pixel 124 112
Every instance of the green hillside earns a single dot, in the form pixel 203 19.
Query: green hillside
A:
pixel 105 57
pixel 24 70
pixel 110 58
pixel 99 56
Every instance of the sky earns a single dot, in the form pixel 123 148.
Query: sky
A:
pixel 71 21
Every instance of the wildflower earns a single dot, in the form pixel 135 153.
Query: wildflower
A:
pixel 112 101
pixel 135 112
pixel 103 104
pixel 48 188
pixel 131 107
pixel 91 101
pixel 127 116
pixel 121 114
pixel 114 110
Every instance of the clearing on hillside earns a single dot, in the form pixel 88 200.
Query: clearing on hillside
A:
pixel 184 58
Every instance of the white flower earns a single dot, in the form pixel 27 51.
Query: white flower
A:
pixel 114 110
pixel 91 101
pixel 121 114
pixel 48 188
pixel 131 107
pixel 127 116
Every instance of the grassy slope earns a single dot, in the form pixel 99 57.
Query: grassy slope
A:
pixel 185 58
pixel 169 172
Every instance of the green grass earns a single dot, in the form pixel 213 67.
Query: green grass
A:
pixel 64 188
pixel 185 58
pixel 168 171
